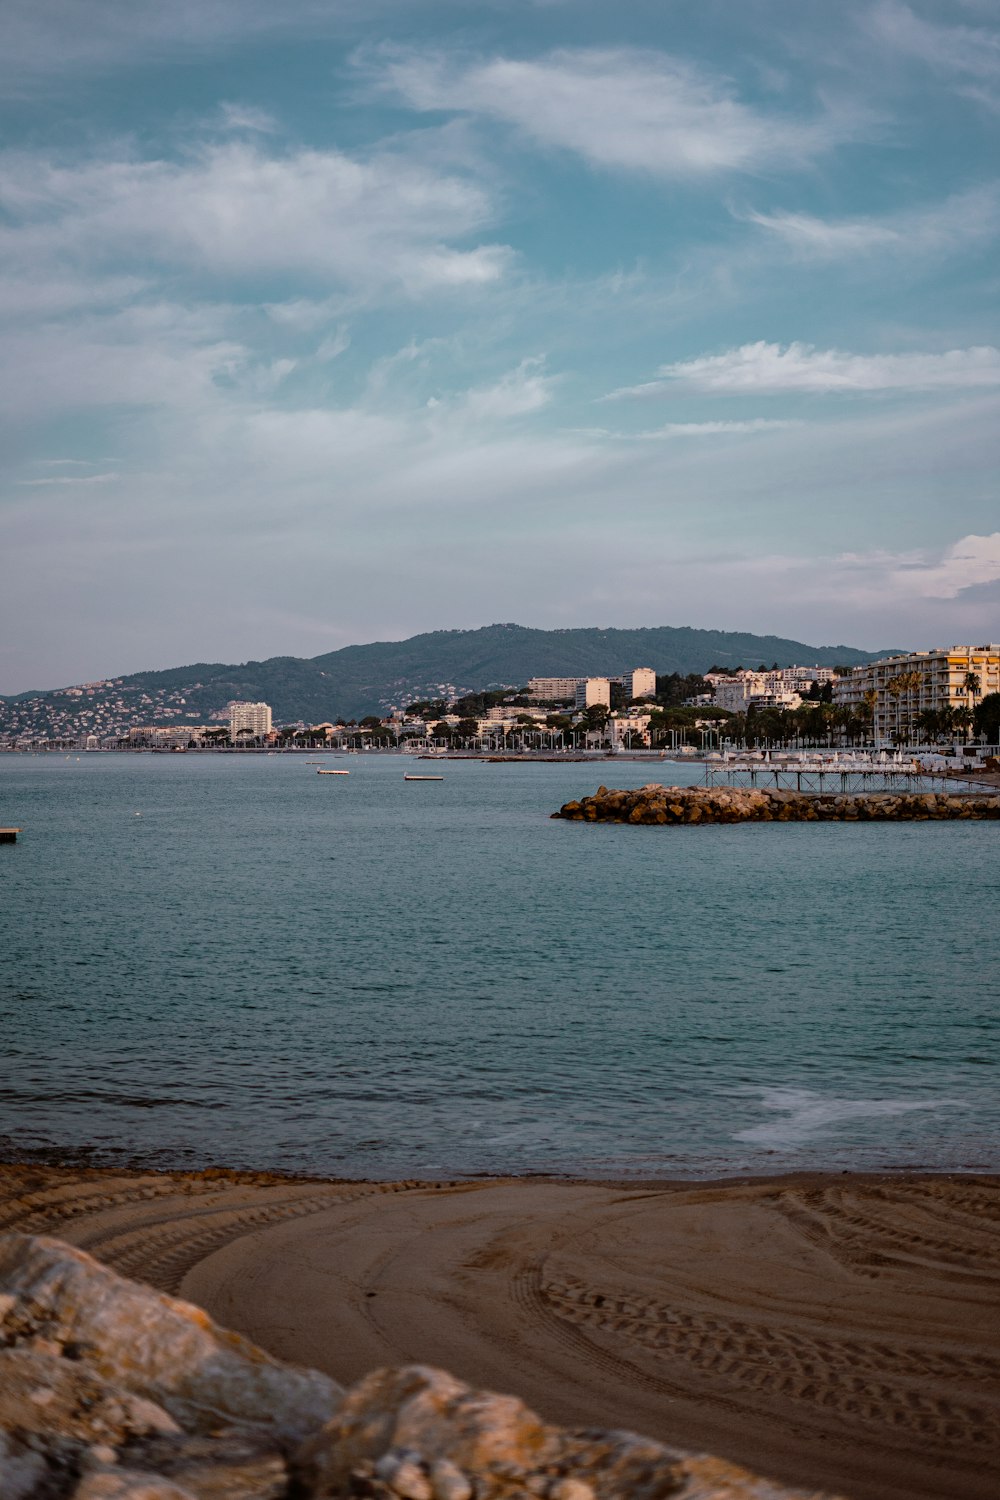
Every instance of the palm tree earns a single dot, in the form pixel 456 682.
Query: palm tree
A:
pixel 946 721
pixel 928 722
pixel 970 686
pixel 962 719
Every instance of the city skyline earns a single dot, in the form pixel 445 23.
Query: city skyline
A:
pixel 339 324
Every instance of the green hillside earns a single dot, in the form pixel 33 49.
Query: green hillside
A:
pixel 360 680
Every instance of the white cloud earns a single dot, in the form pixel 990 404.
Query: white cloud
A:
pixel 968 563
pixel 235 209
pixel 963 222
pixel 157 355
pixel 247 117
pixel 972 50
pixel 64 479
pixel 643 111
pixel 699 429
pixel 31 292
pixel 896 584
pixel 524 390
pixel 763 368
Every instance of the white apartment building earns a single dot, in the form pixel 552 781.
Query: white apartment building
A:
pixel 801 679
pixel 639 683
pixel 900 688
pixel 504 711
pixel 761 689
pixel 252 718
pixel 628 729
pixel 543 688
pixel 591 691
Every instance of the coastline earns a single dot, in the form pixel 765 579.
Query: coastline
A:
pixel 833 1329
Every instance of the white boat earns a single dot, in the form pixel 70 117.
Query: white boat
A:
pixel 423 778
pixel 322 772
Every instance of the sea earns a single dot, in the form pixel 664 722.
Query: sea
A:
pixel 229 960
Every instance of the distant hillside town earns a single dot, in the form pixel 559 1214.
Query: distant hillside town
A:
pixel 383 678
pixel 945 696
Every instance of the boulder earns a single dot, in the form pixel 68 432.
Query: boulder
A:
pixel 151 1345
pixel 111 1391
pixel 419 1434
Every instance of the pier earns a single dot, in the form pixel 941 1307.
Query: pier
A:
pixel 815 773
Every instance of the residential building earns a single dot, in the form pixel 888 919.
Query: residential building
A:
pixel 591 691
pixel 757 689
pixel 544 688
pixel 159 736
pixel 639 683
pixel 249 718
pixel 901 688
pixel 629 730
pixel 504 711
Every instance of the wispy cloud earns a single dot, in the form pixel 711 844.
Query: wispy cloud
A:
pixel 516 394
pixel 699 429
pixel 70 479
pixel 970 50
pixel 963 222
pixel 764 368
pixel 246 117
pixel 235 208
pixel 645 112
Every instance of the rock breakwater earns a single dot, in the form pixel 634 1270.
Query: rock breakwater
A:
pixel 656 804
pixel 111 1391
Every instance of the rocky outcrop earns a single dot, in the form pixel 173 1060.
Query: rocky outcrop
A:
pixel 111 1391
pixel 697 804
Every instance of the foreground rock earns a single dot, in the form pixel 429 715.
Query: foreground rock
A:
pixel 111 1391
pixel 697 804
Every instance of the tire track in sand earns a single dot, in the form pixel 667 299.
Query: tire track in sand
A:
pixel 846 1378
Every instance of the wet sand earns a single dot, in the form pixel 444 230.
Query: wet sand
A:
pixel 841 1332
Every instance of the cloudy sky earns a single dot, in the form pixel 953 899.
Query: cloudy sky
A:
pixel 336 320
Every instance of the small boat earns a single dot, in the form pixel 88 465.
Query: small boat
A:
pixel 423 778
pixel 321 772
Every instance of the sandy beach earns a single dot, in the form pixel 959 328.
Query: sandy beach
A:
pixel 836 1331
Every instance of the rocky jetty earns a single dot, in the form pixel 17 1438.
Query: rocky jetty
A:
pixel 700 804
pixel 111 1391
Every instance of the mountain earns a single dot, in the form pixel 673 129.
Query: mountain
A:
pixel 358 680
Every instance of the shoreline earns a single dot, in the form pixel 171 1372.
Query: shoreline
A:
pixel 833 1329
pixel 650 1182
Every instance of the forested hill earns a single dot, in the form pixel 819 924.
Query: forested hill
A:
pixel 360 680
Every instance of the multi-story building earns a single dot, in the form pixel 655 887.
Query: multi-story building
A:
pixel 249 718
pixel 899 689
pixel 759 689
pixel 629 730
pixel 504 711
pixel 544 688
pixel 590 691
pixel 801 679
pixel 639 683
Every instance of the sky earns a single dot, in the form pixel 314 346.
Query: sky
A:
pixel 340 320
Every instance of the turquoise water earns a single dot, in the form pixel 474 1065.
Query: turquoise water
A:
pixel 232 960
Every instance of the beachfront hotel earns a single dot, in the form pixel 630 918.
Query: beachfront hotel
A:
pixel 249 718
pixel 900 688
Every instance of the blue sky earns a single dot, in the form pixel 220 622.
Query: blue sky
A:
pixel 329 322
